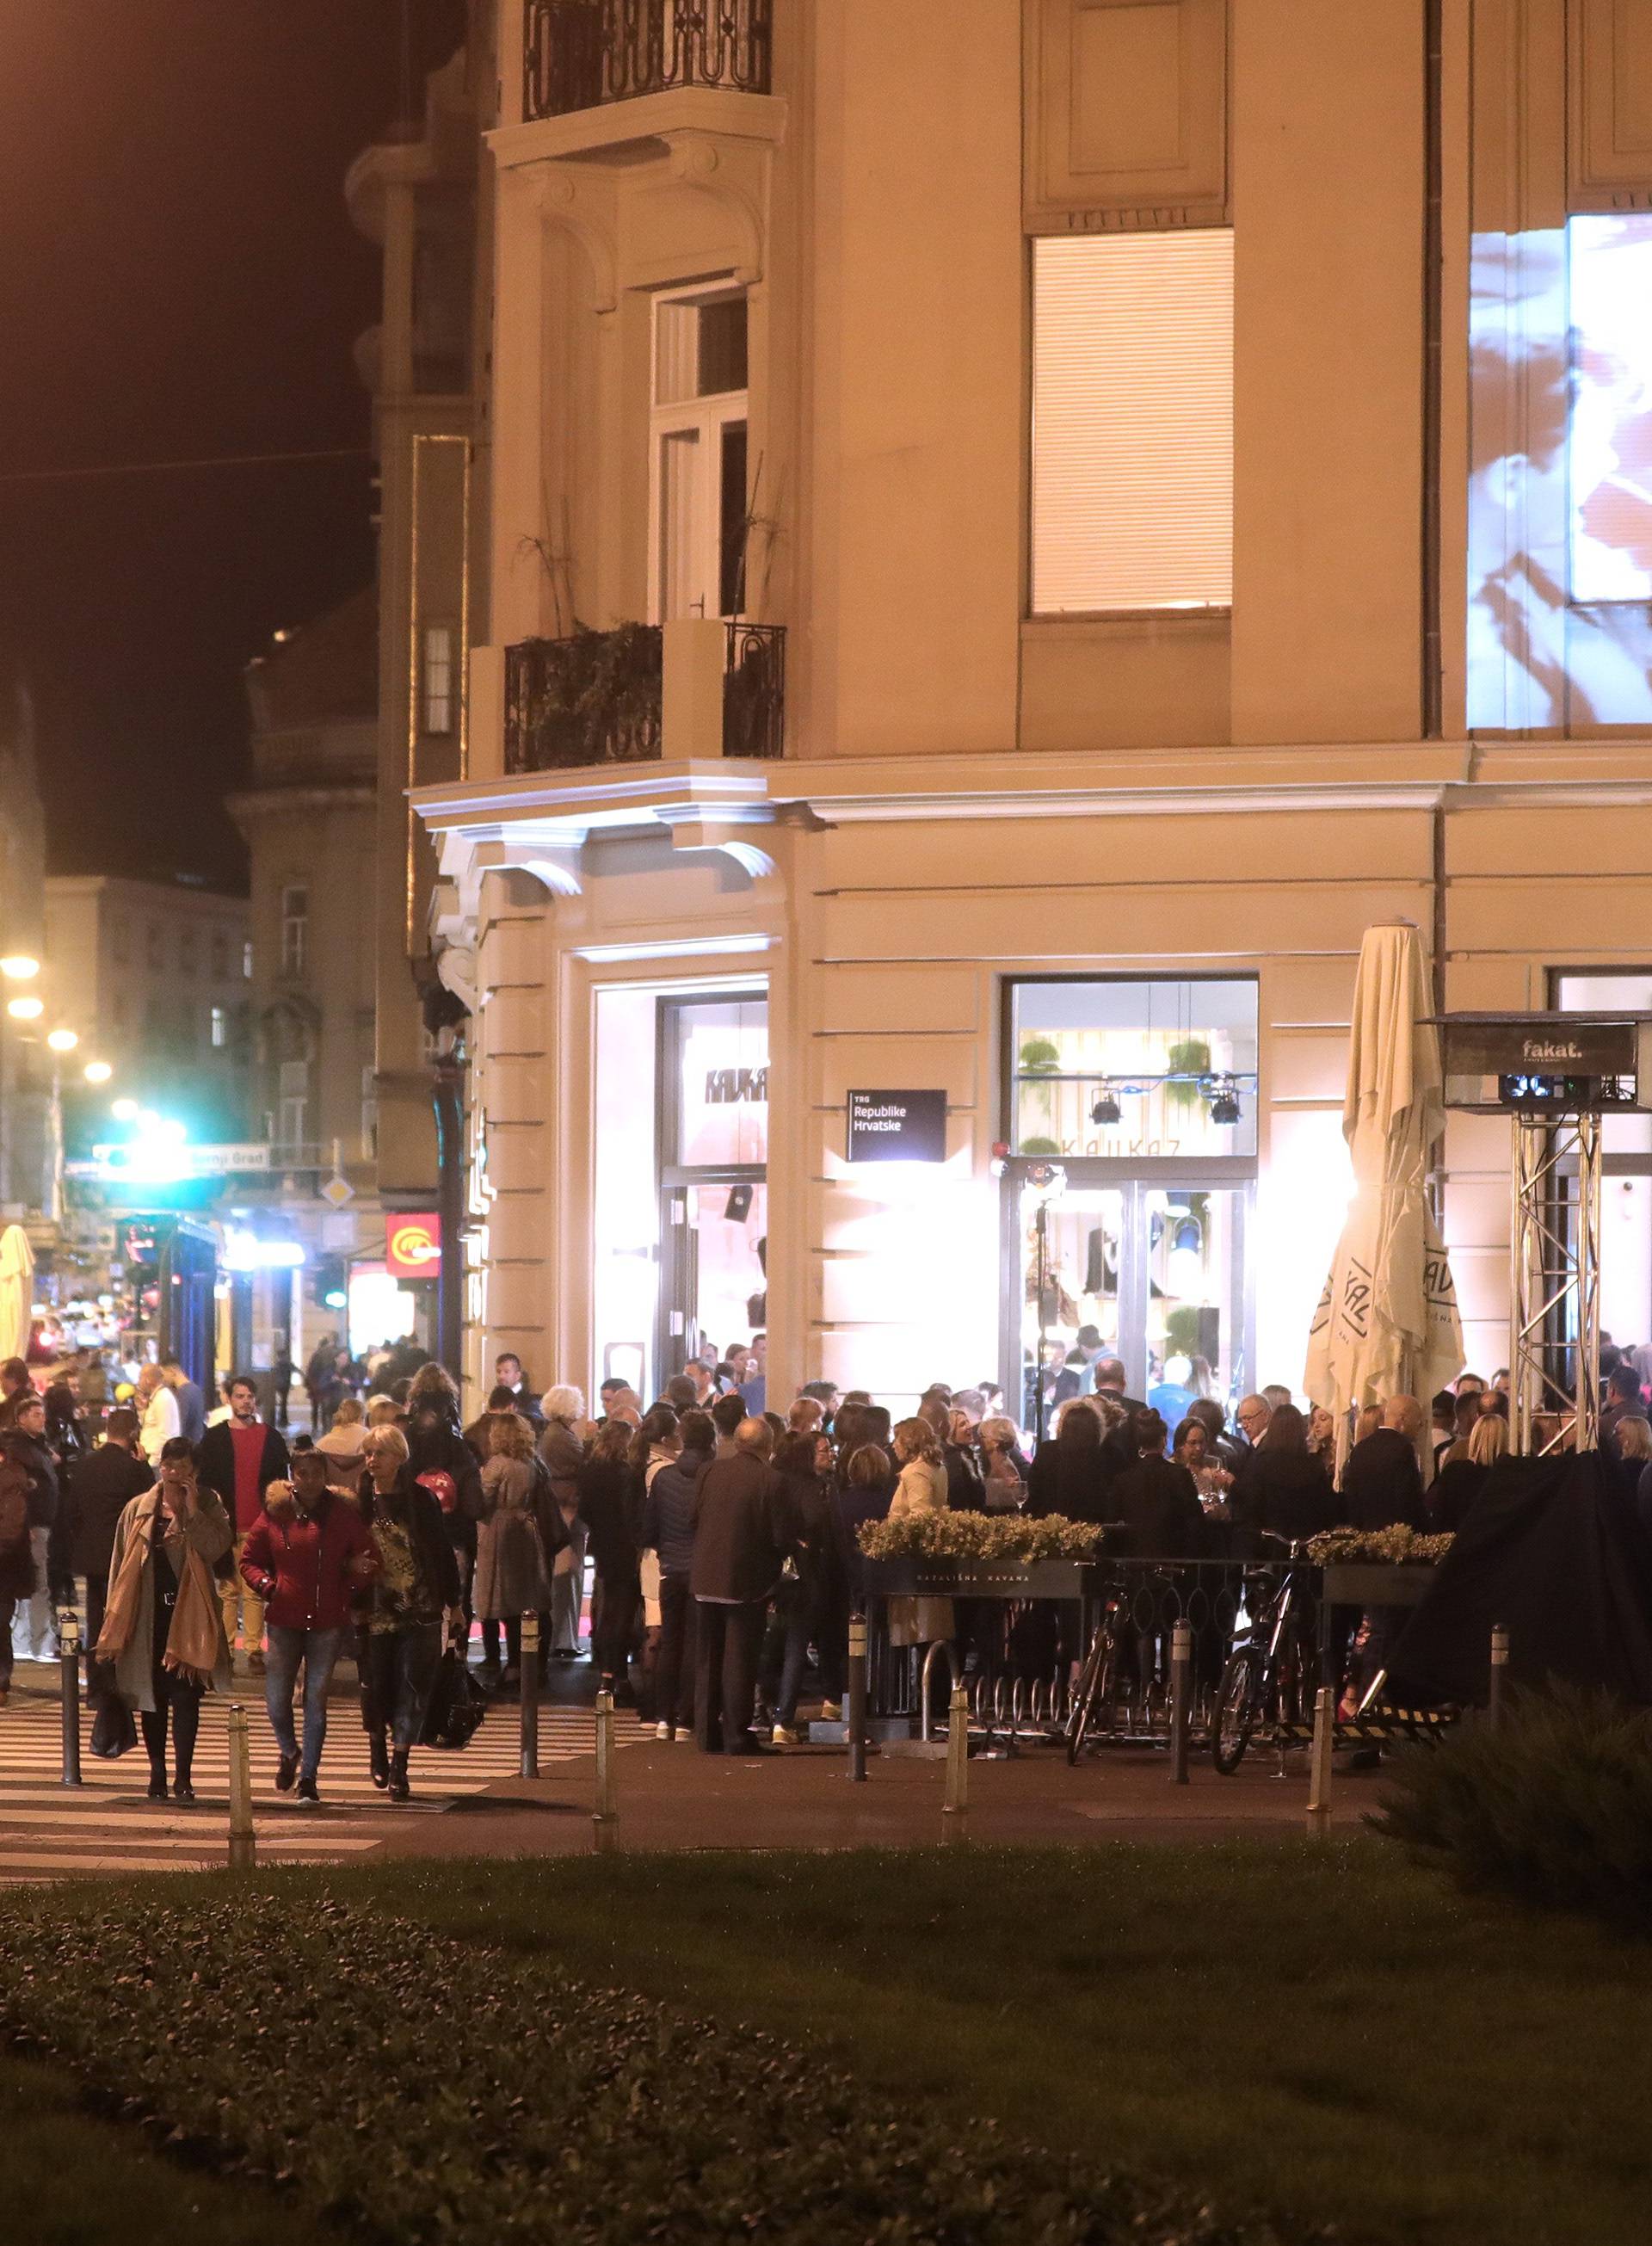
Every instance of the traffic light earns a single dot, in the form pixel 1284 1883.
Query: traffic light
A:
pixel 329 1282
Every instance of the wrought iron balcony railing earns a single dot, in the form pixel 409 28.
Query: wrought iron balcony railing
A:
pixel 597 698
pixel 581 54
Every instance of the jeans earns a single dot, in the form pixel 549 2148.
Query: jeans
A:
pixel 785 1653
pixel 238 1597
pixel 674 1674
pixel 401 1667
pixel 318 1650
pixel 34 1625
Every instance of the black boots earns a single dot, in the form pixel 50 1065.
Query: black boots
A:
pixel 398 1787
pixel 378 1759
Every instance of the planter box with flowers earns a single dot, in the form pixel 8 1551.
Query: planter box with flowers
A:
pixel 1378 1567
pixel 978 1555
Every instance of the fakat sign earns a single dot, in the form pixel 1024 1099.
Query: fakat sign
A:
pixel 412 1246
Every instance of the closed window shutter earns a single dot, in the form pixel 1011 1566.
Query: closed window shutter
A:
pixel 1133 428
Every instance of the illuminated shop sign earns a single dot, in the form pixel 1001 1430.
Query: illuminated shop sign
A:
pixel 413 1245
pixel 897 1127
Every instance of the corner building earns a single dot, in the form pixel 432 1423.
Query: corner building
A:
pixel 1018 531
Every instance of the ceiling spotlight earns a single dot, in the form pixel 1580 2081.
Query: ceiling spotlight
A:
pixel 62 1040
pixel 1224 1101
pixel 1106 1109
pixel 98 1071
pixel 25 1010
pixel 17 967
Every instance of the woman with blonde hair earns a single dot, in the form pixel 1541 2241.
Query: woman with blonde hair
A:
pixel 415 1589
pixel 513 1561
pixel 341 1445
pixel 1460 1481
pixel 563 1450
pixel 921 1489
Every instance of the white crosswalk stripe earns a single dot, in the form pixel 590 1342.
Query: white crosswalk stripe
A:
pixel 50 1831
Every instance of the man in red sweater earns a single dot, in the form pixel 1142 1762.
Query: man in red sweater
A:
pixel 305 1557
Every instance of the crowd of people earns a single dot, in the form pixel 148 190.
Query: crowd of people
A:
pixel 720 1537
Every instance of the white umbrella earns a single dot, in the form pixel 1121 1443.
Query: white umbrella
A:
pixel 1387 1323
pixel 17 1290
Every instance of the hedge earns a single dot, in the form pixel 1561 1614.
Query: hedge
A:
pixel 412 2088
pixel 1553 1807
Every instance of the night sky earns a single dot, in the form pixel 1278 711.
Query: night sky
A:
pixel 179 277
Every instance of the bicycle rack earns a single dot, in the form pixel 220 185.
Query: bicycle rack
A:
pixel 940 1645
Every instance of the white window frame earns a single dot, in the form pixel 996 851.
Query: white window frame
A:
pixel 294 930
pixel 439 680
pixel 705 419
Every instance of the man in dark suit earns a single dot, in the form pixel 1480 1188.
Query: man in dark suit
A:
pixel 238 1459
pixel 1382 1481
pixel 96 1491
pixel 740 1544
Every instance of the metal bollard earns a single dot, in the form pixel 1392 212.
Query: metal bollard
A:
pixel 530 1668
pixel 1499 1662
pixel 1319 1768
pixel 606 1809
pixel 69 1646
pixel 1181 1664
pixel 243 1846
pixel 858 1698
pixel 956 1804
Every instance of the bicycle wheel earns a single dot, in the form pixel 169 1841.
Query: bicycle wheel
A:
pixel 1093 1690
pixel 1236 1711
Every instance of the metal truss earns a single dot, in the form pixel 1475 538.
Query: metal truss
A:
pixel 1554 1283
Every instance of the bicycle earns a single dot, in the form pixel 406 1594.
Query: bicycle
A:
pixel 1272 1671
pixel 1097 1679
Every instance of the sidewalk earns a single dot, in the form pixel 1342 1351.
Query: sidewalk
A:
pixel 672 1797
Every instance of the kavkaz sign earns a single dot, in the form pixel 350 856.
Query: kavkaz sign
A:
pixel 412 1246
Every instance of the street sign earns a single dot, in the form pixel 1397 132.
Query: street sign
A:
pixel 897 1127
pixel 337 1192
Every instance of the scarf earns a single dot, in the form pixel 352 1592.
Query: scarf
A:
pixel 192 1636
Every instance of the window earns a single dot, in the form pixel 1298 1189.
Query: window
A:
pixel 155 946
pixel 294 930
pixel 1133 422
pixel 247 962
pixel 219 1028
pixel 1559 522
pixel 1128 1069
pixel 436 712
pixel 699 473
pixel 220 954
pixel 188 951
pixel 293 1107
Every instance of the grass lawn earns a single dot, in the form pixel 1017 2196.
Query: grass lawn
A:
pixel 1326 2033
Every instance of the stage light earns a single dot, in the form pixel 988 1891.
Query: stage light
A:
pixel 1106 1109
pixel 19 967
pixel 62 1041
pixel 97 1072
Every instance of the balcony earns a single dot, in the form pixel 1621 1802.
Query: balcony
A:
pixel 583 54
pixel 644 692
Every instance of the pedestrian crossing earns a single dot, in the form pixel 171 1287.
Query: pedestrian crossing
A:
pixel 106 1825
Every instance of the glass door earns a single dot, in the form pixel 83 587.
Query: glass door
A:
pixel 714 1208
pixel 1153 1273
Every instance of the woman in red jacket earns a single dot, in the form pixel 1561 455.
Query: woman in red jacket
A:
pixel 307 1556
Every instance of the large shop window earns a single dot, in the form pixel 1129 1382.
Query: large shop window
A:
pixel 1626 1187
pixel 698 477
pixel 682 1199
pixel 1133 422
pixel 1560 622
pixel 1127 1198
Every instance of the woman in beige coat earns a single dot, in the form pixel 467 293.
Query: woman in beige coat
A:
pixel 921 1489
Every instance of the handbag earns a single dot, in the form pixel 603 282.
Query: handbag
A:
pixel 115 1730
pixel 456 1707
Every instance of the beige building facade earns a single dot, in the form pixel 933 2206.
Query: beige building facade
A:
pixel 1016 532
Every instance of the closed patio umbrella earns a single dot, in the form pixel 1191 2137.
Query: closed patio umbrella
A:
pixel 1387 1323
pixel 17 1290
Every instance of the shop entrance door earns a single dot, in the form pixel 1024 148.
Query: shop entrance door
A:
pixel 1155 1269
pixel 715 1251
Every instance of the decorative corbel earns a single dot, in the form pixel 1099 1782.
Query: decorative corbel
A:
pixel 696 161
pixel 570 197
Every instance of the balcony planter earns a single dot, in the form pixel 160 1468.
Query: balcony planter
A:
pixel 592 699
